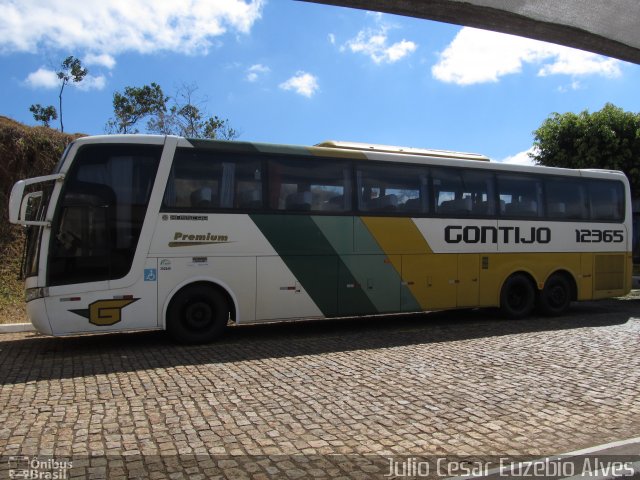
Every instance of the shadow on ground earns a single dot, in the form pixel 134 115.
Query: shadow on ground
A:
pixel 48 358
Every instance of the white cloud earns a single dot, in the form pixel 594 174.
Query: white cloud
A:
pixel 574 85
pixel 43 78
pixel 576 63
pixel 91 82
pixel 377 16
pixel 302 83
pixel 480 56
pixel 103 60
pixel 255 71
pixel 375 45
pixel 112 27
pixel 332 39
pixel 521 158
pixel 399 50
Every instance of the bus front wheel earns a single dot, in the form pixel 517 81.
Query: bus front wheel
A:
pixel 517 297
pixel 555 297
pixel 197 314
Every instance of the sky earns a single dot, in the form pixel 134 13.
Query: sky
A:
pixel 290 72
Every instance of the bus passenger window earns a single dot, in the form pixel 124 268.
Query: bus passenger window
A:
pixel 202 197
pixel 194 182
pixel 298 201
pixel 566 198
pixel 310 185
pixel 206 180
pixel 606 200
pixel 249 195
pixel 247 184
pixel 463 192
pixel 392 188
pixel 520 196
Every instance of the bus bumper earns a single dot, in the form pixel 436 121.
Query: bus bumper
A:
pixel 37 313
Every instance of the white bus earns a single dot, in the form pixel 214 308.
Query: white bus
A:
pixel 149 232
pixel 635 245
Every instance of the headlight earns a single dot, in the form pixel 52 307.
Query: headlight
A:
pixel 35 293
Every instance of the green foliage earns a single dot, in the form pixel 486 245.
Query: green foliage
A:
pixel 70 71
pixel 216 128
pixel 135 104
pixel 609 139
pixel 43 114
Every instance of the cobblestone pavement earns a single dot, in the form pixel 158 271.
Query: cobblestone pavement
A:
pixel 333 399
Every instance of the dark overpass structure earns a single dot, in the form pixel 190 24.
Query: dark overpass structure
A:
pixel 607 27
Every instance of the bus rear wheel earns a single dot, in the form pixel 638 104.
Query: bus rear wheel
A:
pixel 197 314
pixel 517 297
pixel 555 297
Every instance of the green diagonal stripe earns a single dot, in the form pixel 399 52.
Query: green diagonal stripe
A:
pixel 313 260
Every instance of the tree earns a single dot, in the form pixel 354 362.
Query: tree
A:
pixel 216 128
pixel 608 139
pixel 70 71
pixel 135 104
pixel 43 114
pixel 187 118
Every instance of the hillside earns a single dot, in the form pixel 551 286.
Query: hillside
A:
pixel 24 152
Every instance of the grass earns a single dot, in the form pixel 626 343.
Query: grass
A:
pixel 12 306
pixel 24 152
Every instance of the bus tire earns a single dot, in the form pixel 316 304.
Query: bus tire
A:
pixel 555 297
pixel 517 297
pixel 197 314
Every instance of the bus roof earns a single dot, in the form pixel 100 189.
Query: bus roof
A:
pixel 371 147
pixel 354 150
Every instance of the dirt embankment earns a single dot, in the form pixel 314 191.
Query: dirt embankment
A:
pixel 24 152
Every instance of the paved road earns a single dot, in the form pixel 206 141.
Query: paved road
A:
pixel 334 399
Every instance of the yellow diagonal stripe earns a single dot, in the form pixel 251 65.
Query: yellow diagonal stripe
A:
pixel 398 237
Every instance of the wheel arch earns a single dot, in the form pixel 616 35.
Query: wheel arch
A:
pixel 216 283
pixel 522 271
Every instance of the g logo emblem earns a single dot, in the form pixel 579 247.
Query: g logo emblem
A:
pixel 105 312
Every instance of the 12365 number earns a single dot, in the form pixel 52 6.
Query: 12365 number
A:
pixel 587 235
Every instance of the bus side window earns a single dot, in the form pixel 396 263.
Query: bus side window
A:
pixel 247 188
pixel 249 196
pixel 520 195
pixel 202 197
pixel 566 198
pixel 206 180
pixel 463 192
pixel 310 185
pixel 606 200
pixel 194 182
pixel 392 188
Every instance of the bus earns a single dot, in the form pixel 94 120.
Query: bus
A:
pixel 150 232
pixel 635 239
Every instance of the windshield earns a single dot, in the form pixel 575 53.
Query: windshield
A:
pixel 100 213
pixel 62 158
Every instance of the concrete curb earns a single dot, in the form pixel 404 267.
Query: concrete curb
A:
pixel 623 448
pixel 607 447
pixel 16 327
